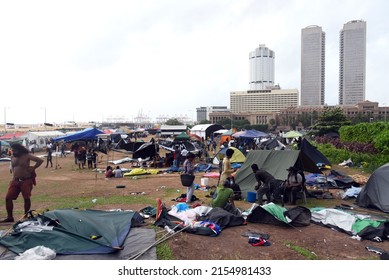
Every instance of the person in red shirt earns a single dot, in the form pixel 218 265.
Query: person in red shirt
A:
pixel 109 172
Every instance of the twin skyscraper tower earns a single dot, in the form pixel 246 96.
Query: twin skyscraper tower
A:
pixel 352 65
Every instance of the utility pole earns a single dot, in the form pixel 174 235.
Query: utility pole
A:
pixel 5 119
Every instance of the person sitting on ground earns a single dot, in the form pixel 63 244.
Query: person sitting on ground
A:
pixel 109 172
pixel 293 184
pixel 223 195
pixel 118 172
pixel 262 186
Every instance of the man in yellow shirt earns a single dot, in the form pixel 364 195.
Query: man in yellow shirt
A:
pixel 226 167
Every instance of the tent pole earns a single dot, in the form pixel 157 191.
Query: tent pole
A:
pixel 56 156
pixel 162 239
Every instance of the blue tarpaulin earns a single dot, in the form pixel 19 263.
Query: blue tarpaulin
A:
pixel 252 134
pixel 84 135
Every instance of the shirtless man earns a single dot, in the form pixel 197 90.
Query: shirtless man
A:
pixel 23 179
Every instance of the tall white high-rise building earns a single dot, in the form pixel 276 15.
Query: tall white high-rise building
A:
pixel 352 63
pixel 312 66
pixel 261 68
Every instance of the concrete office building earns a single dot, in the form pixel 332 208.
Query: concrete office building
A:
pixel 203 112
pixel 272 100
pixel 312 66
pixel 352 63
pixel 261 63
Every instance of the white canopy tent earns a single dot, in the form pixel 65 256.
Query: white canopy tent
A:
pixel 39 139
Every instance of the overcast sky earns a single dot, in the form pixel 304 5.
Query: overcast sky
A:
pixel 91 60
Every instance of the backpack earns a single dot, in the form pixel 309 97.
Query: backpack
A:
pixel 235 187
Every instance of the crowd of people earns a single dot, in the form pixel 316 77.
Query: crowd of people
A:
pixel 84 156
pixel 284 191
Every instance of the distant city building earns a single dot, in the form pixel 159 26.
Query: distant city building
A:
pixel 271 100
pixel 253 118
pixel 352 63
pixel 366 111
pixel 312 66
pixel 261 62
pixel 203 112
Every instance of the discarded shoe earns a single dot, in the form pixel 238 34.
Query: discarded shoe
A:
pixel 258 241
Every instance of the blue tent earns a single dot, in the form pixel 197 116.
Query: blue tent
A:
pixel 83 135
pixel 252 134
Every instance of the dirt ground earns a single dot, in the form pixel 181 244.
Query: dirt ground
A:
pixel 64 179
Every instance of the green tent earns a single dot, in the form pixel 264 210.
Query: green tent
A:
pixel 292 134
pixel 182 136
pixel 275 162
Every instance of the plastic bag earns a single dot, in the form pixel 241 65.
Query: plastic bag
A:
pixel 37 253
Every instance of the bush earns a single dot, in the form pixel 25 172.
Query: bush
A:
pixel 375 134
pixel 368 162
pixel 356 147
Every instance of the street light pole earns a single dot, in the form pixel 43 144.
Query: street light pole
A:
pixel 5 119
pixel 44 108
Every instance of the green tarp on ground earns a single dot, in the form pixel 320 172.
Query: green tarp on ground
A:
pixel 72 231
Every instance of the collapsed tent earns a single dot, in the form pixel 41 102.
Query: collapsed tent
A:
pixel 375 193
pixel 180 145
pixel 88 134
pixel 147 150
pixel 73 232
pixel 276 215
pixel 271 144
pixel 237 156
pixel 275 162
pixel 202 220
pixel 352 224
pixel 128 146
